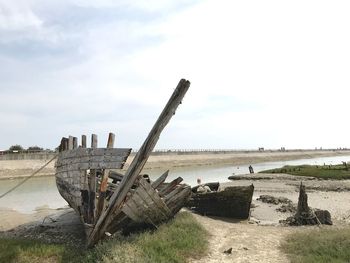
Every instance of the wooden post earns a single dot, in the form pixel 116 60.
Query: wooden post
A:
pixel 118 197
pixel 93 141
pixel 104 181
pixel 83 141
pixel 85 192
pixel 66 142
pixel 92 185
pixel 63 146
pixel 70 143
pixel 75 142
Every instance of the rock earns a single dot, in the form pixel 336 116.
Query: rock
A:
pixel 287 208
pixel 269 199
pixel 228 251
pixel 324 217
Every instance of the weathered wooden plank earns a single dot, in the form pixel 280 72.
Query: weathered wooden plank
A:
pixel 167 189
pixel 151 192
pixel 85 196
pixel 156 210
pixel 87 152
pixel 118 164
pixel 93 159
pixel 104 181
pixel 179 200
pixel 160 180
pixel 138 162
pixel 92 184
pixel 145 209
pixel 174 192
pixel 85 191
pixel 129 211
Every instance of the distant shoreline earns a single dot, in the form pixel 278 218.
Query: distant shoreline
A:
pixel 10 169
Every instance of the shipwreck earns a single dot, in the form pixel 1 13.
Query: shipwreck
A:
pixel 232 202
pixel 108 201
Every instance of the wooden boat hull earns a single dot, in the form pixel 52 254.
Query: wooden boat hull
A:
pixel 108 202
pixel 233 202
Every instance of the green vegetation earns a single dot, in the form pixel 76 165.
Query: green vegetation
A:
pixel 176 241
pixel 319 246
pixel 336 172
pixel 16 147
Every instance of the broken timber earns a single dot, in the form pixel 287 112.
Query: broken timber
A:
pixel 109 201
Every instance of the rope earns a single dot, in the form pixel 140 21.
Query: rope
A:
pixel 26 179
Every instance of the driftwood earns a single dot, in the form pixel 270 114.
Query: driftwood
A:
pixel 233 202
pixel 107 201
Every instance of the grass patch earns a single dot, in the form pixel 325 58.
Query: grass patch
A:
pixel 319 246
pixel 336 172
pixel 177 241
pixel 25 251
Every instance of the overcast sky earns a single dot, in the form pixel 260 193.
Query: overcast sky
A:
pixel 263 73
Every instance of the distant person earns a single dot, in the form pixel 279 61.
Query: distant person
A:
pixel 199 181
pixel 251 170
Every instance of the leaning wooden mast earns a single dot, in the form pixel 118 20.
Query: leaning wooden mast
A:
pixel 119 197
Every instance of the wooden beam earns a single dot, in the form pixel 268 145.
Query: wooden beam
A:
pixel 132 174
pixel 104 181
pixel 160 180
pixel 92 185
pixel 171 186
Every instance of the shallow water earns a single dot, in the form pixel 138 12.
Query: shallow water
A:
pixel 42 191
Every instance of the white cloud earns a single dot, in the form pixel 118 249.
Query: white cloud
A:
pixel 17 16
pixel 263 73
